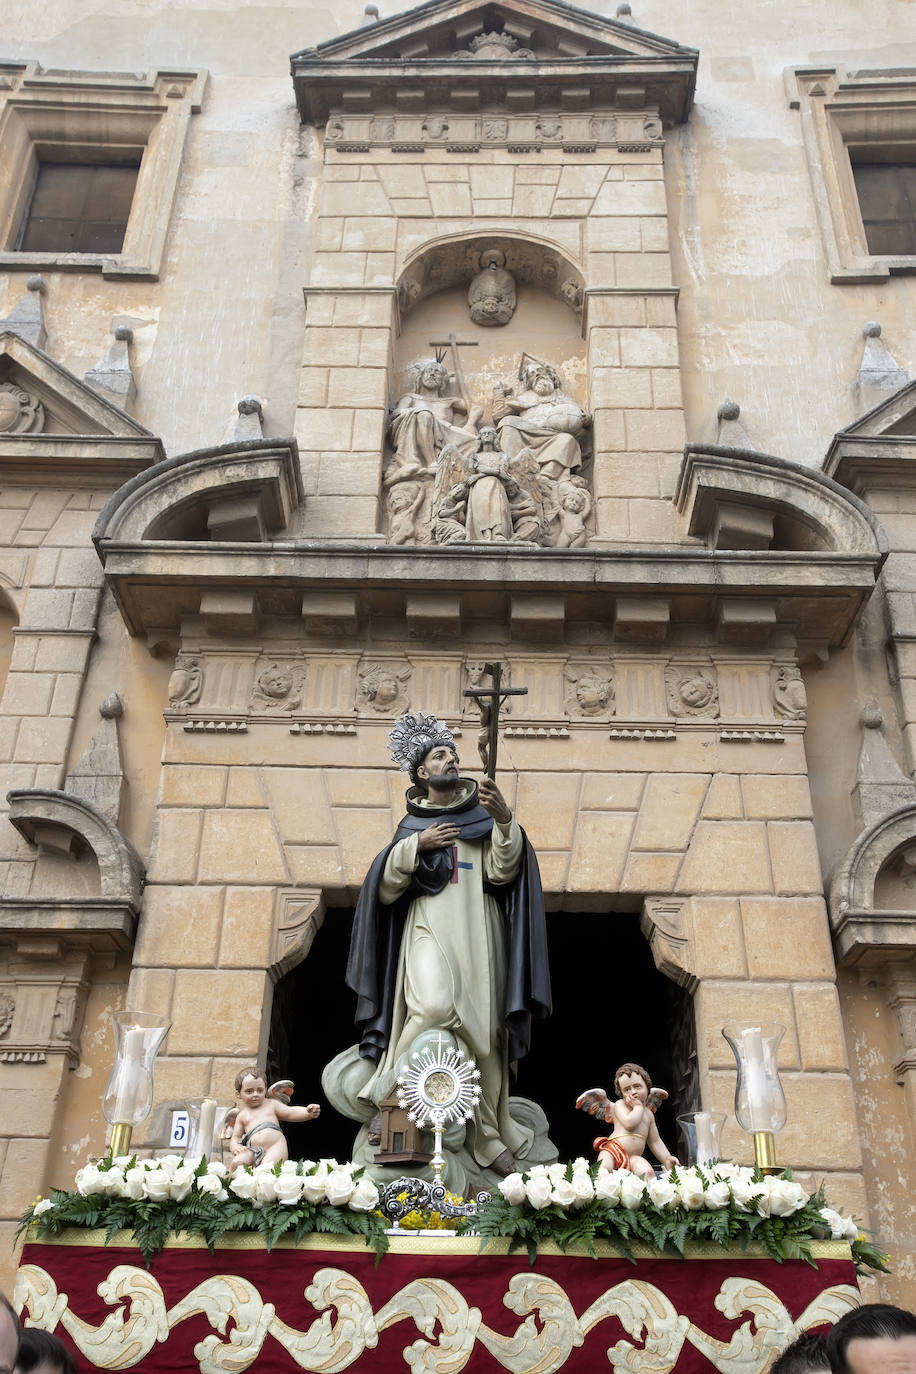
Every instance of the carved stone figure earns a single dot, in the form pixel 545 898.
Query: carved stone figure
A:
pixel 498 47
pixel 487 499
pixel 382 689
pixel 186 682
pixel 382 129
pixel 549 127
pixel 691 692
pixel 7 1011
pixel 21 412
pixel 575 506
pixel 542 418
pixel 588 693
pixel 427 418
pixel 789 697
pixel 449 936
pixel 408 293
pixel 491 295
pixel 571 292
pixel 405 500
pixel 277 689
pixel 495 130
pixel 435 127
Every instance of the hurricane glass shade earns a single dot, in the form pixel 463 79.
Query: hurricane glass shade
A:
pixel 760 1103
pixel 128 1098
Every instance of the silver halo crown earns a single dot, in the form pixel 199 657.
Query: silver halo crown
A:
pixel 414 735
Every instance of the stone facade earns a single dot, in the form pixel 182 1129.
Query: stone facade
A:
pixel 719 733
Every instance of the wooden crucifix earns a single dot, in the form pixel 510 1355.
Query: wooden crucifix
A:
pixel 489 700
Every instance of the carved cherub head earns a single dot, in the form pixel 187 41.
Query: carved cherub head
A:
pixel 633 1071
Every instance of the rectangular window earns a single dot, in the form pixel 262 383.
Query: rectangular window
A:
pixel 79 208
pixel 887 200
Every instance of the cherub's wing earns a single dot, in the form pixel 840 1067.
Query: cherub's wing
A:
pixel 595 1101
pixel 451 468
pixel 282 1090
pixel 655 1099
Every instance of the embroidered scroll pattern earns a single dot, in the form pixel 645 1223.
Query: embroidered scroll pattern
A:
pixel 448 1327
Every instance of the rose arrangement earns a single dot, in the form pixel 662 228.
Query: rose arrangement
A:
pixel 154 1197
pixel 573 1204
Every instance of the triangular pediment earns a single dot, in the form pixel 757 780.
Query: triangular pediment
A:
pixel 53 401
pixel 433 53
pixel 548 30
pixel 893 418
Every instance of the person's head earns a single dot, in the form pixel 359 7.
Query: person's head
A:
pixel 809 1352
pixel 574 500
pixel 487 439
pixel 627 1077
pixel 10 1333
pixel 437 771
pixel 246 1078
pixel 431 375
pixel 542 379
pixel 42 1353
pixel 873 1339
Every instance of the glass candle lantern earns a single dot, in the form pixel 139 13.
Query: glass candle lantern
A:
pixel 128 1098
pixel 760 1103
pixel 702 1132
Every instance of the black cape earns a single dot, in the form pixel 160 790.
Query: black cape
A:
pixel 377 929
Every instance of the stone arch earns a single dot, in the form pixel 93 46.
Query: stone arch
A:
pixel 453 259
pixel 863 929
pixel 66 824
pixel 243 491
pixel 741 499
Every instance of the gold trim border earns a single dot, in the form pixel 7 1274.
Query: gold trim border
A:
pixel 426 1245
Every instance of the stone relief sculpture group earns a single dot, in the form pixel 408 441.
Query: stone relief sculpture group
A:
pixel 510 475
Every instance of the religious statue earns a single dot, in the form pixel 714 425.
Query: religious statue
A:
pixel 542 418
pixel 427 418
pixel 633 1115
pixel 261 1111
pixel 491 294
pixel 449 936
pixel 486 499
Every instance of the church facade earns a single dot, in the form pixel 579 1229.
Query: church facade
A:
pixel 483 332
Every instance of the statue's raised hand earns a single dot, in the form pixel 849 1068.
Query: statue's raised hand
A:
pixel 492 800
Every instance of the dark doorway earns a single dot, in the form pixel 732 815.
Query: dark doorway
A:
pixel 610 1004
pixel 312 1021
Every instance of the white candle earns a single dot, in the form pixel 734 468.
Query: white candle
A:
pixel 705 1147
pixel 207 1123
pixel 758 1098
pixel 131 1079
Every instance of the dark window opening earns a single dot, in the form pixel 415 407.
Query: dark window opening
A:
pixel 610 1005
pixel 79 207
pixel 887 201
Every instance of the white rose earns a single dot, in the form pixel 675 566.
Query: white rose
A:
pixel 90 1180
pixel 289 1166
pixel 841 1228
pixel 744 1189
pixel 243 1184
pixel 288 1189
pixel 786 1197
pixel 339 1187
pixel 113 1180
pixel 580 1165
pixel 563 1194
pixel 662 1192
pixel 538 1191
pixel 217 1168
pixel 364 1197
pixel 169 1162
pixel 538 1171
pixel 43 1205
pixel 512 1188
pixel 632 1191
pixel 134 1183
pixel 313 1189
pixel 211 1184
pixel 690 1190
pixel 724 1168
pixel 181 1183
pixel 607 1186
pixel 717 1195
pixel 556 1172
pixel 266 1185
pixel 583 1188
pixel 156 1185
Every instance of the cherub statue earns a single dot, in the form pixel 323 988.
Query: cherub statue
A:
pixel 262 1109
pixel 574 509
pixel 633 1115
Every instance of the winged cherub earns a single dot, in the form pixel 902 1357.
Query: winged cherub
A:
pixel 633 1115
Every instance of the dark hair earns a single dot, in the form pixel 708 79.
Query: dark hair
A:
pixel 870 1322
pixel 419 757
pixel 808 1352
pixel 253 1071
pixel 8 1306
pixel 632 1069
pixel 40 1347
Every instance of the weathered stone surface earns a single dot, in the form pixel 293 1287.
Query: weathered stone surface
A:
pixel 726 856
pixel 240 846
pixel 787 934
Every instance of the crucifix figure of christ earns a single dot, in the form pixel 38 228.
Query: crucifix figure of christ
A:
pixel 489 701
pixel 449 939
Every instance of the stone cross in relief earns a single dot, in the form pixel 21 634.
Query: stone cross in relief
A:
pixel 489 701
